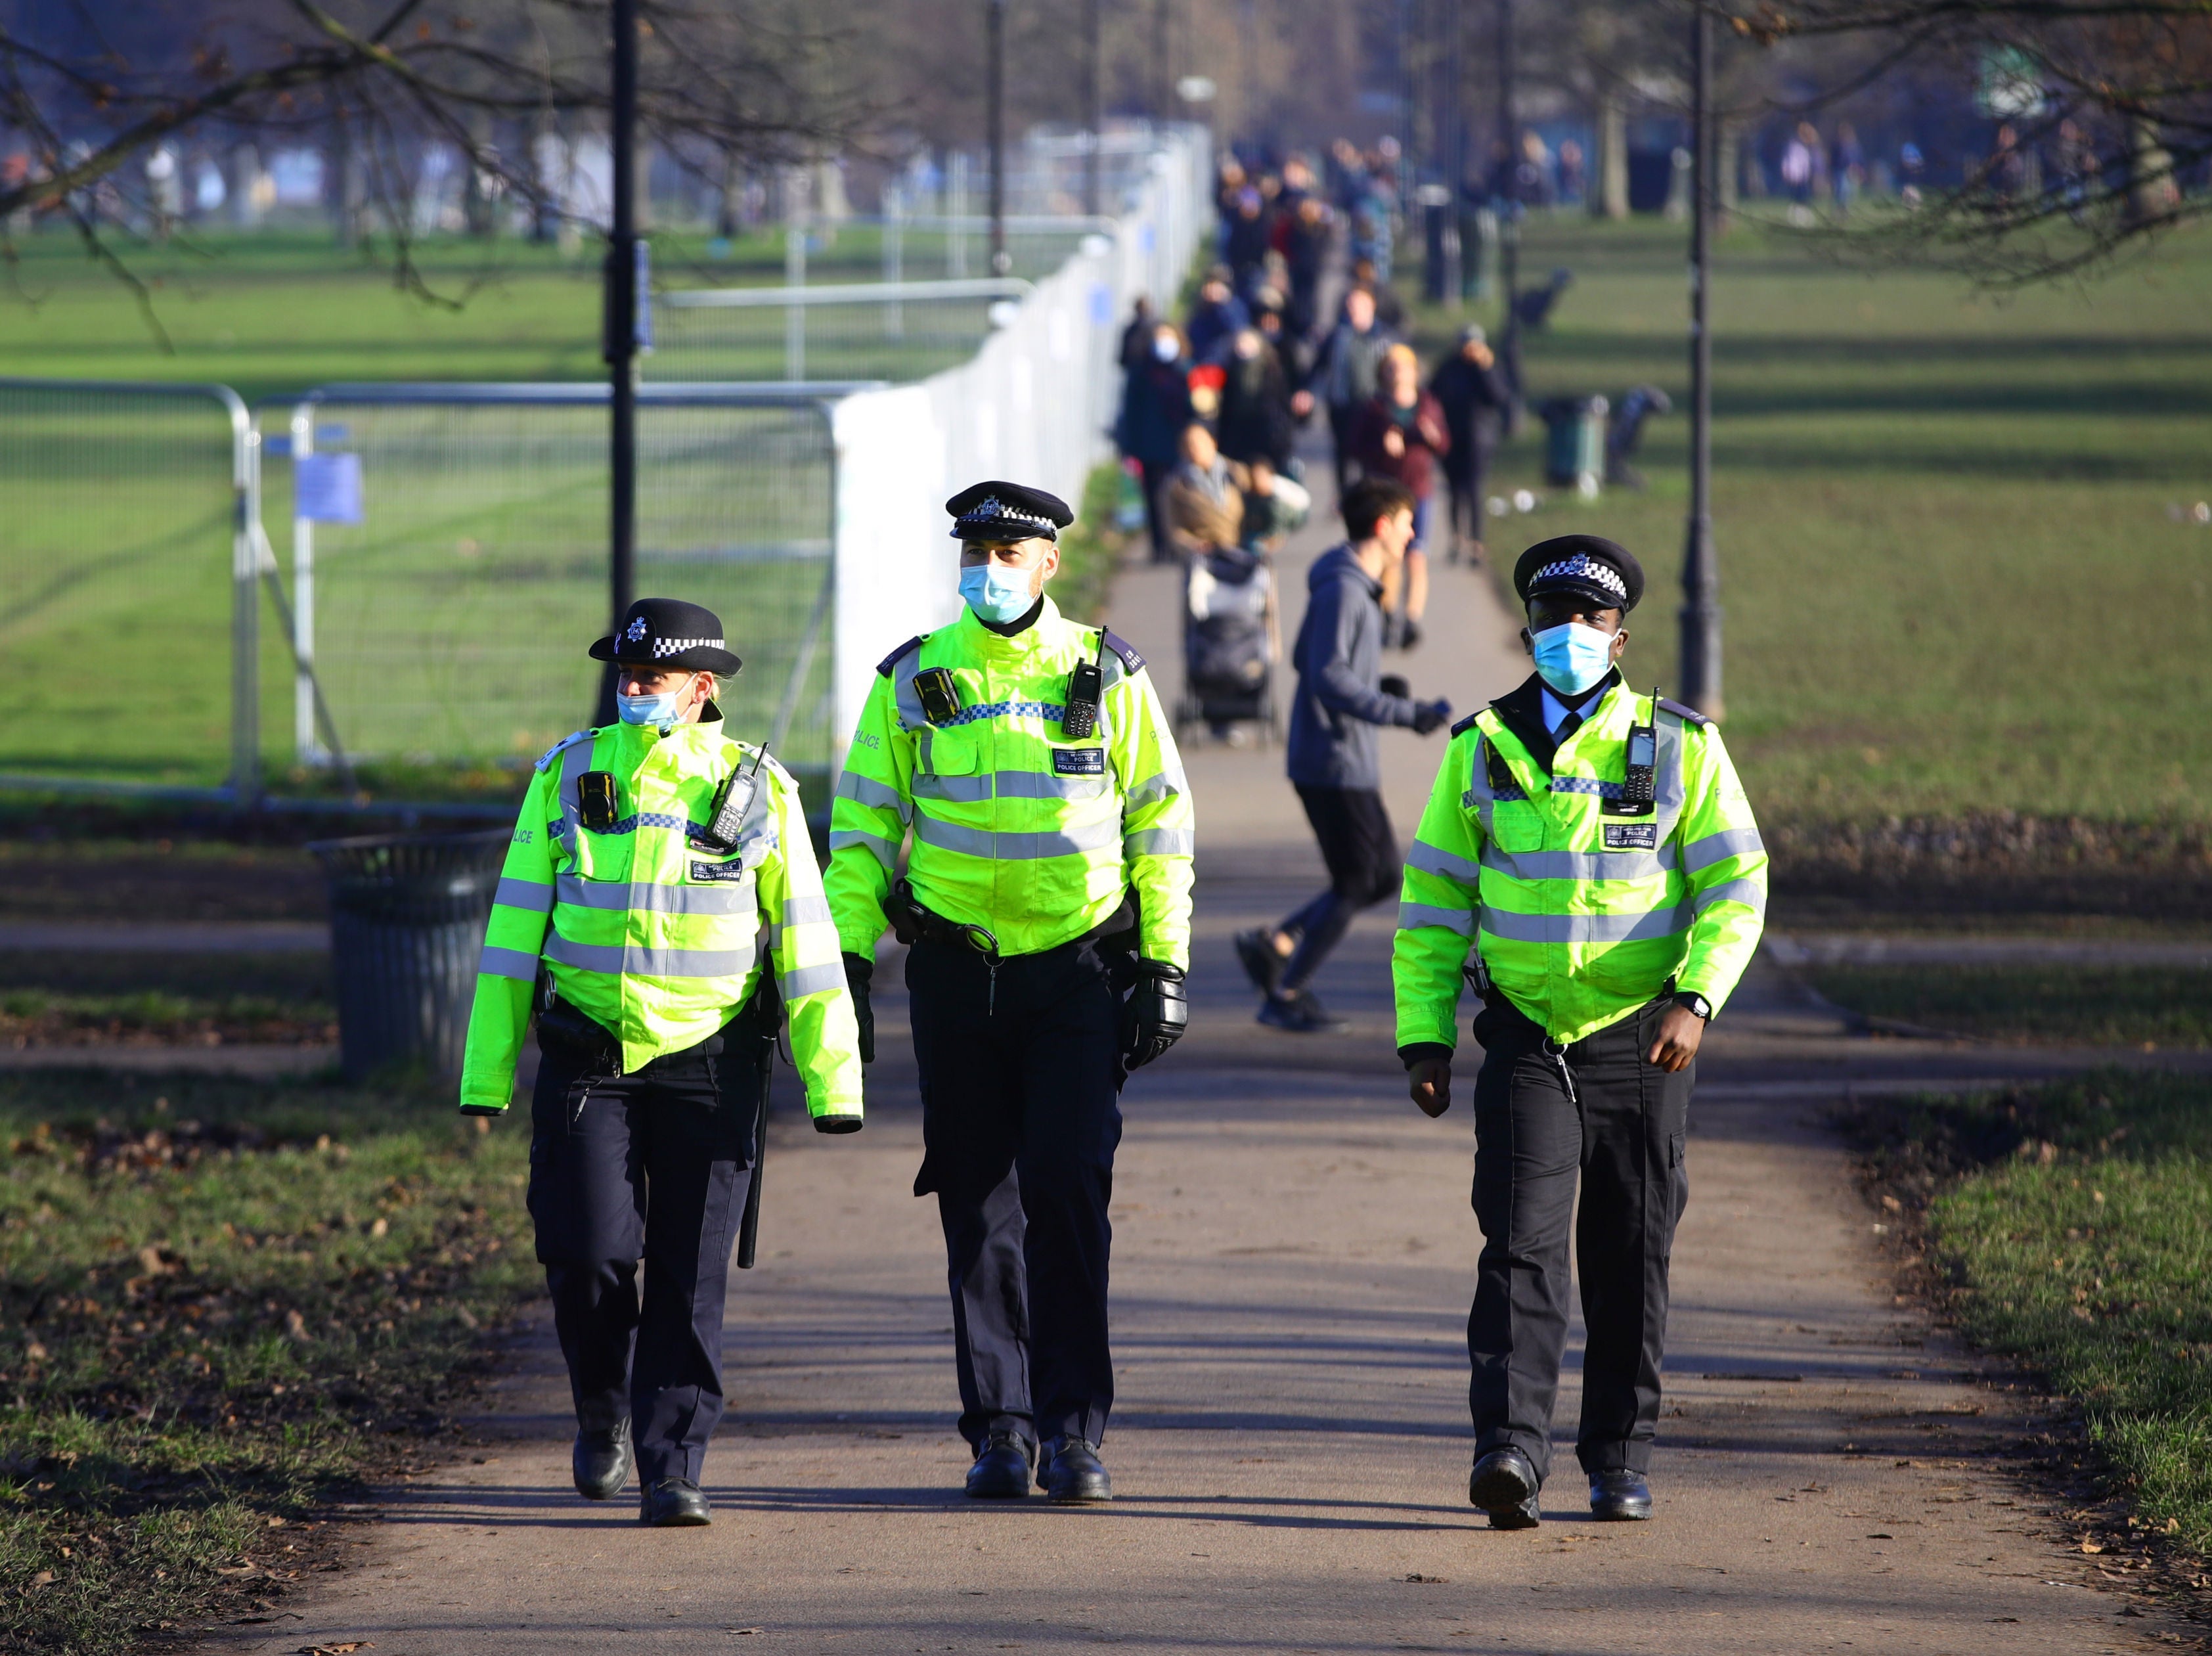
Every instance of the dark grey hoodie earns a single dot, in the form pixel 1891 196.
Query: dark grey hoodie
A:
pixel 1338 658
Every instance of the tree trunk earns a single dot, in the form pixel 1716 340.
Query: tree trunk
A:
pixel 1609 195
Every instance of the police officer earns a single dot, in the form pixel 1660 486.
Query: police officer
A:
pixel 1048 902
pixel 648 859
pixel 1594 850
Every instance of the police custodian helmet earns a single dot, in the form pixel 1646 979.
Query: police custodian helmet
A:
pixel 667 632
pixel 1580 566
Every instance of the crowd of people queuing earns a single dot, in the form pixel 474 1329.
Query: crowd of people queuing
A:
pixel 1211 407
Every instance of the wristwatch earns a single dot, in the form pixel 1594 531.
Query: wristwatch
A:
pixel 1697 1003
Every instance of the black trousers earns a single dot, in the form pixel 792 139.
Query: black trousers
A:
pixel 1360 851
pixel 1464 482
pixel 651 1166
pixel 1020 1085
pixel 1620 1127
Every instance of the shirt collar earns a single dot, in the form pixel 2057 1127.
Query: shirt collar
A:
pixel 1556 709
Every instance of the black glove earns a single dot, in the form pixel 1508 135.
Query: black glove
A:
pixel 1410 637
pixel 481 1109
pixel 1427 715
pixel 1155 1015
pixel 1394 684
pixel 858 972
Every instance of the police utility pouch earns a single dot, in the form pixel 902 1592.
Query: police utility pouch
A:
pixel 595 800
pixel 940 697
pixel 1079 716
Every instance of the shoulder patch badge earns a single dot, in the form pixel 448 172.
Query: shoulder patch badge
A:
pixel 1687 715
pixel 546 759
pixel 1127 651
pixel 1078 761
pixel 891 660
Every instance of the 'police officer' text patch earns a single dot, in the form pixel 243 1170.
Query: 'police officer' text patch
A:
pixel 718 874
pixel 1078 761
pixel 1632 836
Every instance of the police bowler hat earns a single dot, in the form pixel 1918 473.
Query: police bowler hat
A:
pixel 667 632
pixel 1580 566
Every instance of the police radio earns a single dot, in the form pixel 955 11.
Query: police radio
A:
pixel 1639 789
pixel 1084 686
pixel 733 800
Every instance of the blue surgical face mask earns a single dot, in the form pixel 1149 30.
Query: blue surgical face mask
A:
pixel 662 710
pixel 1572 657
pixel 996 593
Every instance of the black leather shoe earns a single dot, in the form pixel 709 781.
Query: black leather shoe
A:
pixel 1070 1471
pixel 1619 1495
pixel 1001 1472
pixel 1504 1485
pixel 1262 961
pixel 602 1462
pixel 674 1503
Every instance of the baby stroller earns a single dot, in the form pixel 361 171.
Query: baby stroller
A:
pixel 1230 643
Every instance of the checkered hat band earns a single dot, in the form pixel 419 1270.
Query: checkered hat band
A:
pixel 992 510
pixel 1581 567
pixel 677 646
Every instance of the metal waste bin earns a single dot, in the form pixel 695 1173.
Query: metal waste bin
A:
pixel 407 928
pixel 1574 443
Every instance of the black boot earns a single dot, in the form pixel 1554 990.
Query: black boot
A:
pixel 1001 1472
pixel 674 1503
pixel 602 1462
pixel 1070 1471
pixel 1504 1486
pixel 1619 1494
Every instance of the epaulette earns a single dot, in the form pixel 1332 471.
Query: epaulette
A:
pixel 891 660
pixel 546 759
pixel 1465 725
pixel 1121 647
pixel 1687 715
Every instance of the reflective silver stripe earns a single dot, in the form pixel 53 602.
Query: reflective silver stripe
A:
pixel 508 963
pixel 575 760
pixel 959 790
pixel 1752 893
pixel 866 790
pixel 577 892
pixel 904 697
pixel 1667 808
pixel 531 895
pixel 636 960
pixel 1411 915
pixel 1718 848
pixel 1434 860
pixel 1160 842
pixel 1585 928
pixel 1045 785
pixel 805 910
pixel 1171 783
pixel 812 980
pixel 1578 865
pixel 1015 848
pixel 883 850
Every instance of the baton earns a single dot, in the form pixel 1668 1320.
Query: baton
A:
pixel 769 1015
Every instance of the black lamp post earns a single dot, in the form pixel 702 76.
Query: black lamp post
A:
pixel 1093 115
pixel 1701 578
pixel 619 346
pixel 1508 206
pixel 995 112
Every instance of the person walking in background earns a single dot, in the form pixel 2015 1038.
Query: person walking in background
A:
pixel 1255 421
pixel 1572 183
pixel 1155 409
pixel 1471 388
pixel 1305 254
pixel 1332 761
pixel 1137 336
pixel 1400 434
pixel 1847 167
pixel 1346 373
pixel 1205 507
pixel 1217 316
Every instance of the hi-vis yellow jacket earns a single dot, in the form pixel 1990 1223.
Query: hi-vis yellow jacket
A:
pixel 1581 916
pixel 651 933
pixel 1017 825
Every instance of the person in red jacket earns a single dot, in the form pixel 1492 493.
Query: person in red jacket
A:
pixel 1400 434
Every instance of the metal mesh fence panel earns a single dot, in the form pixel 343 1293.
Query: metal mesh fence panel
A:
pixel 118 553
pixel 449 625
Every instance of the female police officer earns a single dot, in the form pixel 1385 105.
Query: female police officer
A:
pixel 648 858
pixel 1048 900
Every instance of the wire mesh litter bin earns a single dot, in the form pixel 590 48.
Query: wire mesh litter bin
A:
pixel 407 928
pixel 1574 443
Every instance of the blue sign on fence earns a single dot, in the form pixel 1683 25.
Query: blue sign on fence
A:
pixel 326 488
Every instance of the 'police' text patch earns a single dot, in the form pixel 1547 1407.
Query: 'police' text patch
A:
pixel 719 873
pixel 1078 761
pixel 1632 836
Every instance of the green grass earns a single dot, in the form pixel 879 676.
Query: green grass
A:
pixel 1950 577
pixel 225 1303
pixel 2083 1005
pixel 2075 1223
pixel 1090 553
